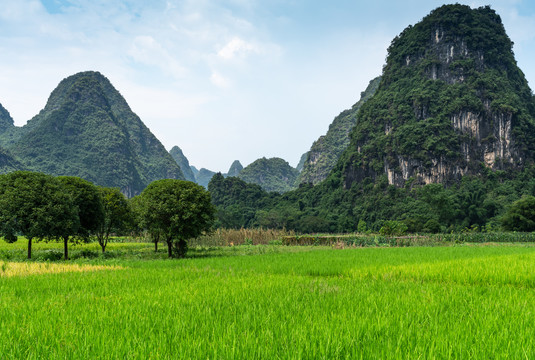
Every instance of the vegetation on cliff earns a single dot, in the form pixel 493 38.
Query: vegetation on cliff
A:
pixel 183 163
pixel 273 174
pixel 445 144
pixel 451 99
pixel 88 130
pixel 326 151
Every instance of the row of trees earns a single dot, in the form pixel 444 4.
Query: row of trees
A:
pixel 493 201
pixel 68 209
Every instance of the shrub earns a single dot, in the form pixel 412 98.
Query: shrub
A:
pixel 393 228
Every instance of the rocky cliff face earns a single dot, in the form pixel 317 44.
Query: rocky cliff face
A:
pixel 326 151
pixel 452 101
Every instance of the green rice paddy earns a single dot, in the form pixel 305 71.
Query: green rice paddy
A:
pixel 273 302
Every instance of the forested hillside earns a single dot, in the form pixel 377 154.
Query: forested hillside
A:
pixel 274 174
pixel 88 130
pixel 445 144
pixel 183 163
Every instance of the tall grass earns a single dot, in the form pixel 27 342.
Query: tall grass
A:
pixel 391 303
pixel 231 237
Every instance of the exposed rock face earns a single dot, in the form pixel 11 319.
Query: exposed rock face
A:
pixel 183 163
pixel 326 151
pixel 452 101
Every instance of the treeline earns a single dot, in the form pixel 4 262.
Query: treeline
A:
pixel 71 209
pixel 493 201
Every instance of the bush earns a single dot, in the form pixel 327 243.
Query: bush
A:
pixel 50 255
pixel 393 228
pixel 432 226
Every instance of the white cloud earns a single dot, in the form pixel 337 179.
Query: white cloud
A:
pixel 237 48
pixel 146 50
pixel 219 80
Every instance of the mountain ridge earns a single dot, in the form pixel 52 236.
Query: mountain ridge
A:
pixel 87 129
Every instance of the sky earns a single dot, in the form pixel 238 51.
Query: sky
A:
pixel 224 80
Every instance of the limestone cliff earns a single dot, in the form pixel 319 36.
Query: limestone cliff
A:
pixel 326 151
pixel 451 101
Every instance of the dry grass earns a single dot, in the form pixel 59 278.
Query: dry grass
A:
pixel 231 237
pixel 9 269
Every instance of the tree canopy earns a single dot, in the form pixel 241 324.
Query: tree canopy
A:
pixel 179 210
pixel 36 206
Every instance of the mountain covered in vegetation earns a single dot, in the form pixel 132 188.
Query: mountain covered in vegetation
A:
pixel 183 163
pixel 235 168
pixel 88 130
pixel 446 143
pixel 6 121
pixel 8 163
pixel 451 102
pixel 274 174
pixel 326 151
pixel 203 176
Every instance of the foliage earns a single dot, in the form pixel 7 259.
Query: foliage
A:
pixel 521 215
pixel 178 210
pixel 457 60
pixel 36 206
pixel 88 130
pixel 116 215
pixel 325 152
pixel 393 228
pixel 273 174
pixel 183 163
pixel 88 203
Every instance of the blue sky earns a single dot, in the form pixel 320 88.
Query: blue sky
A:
pixel 222 79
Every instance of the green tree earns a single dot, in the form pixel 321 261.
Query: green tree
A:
pixel 138 221
pixel 34 205
pixel 88 202
pixel 117 214
pixel 179 210
pixel 521 215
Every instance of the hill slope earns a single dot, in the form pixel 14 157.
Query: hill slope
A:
pixel 234 169
pixel 183 163
pixel 273 174
pixel 446 144
pixel 326 151
pixel 88 130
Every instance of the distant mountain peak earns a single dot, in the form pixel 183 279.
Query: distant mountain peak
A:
pixel 235 168
pixel 88 130
pixel 183 162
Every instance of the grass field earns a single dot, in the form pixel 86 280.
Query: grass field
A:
pixel 269 302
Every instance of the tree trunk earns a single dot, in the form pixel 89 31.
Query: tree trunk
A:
pixel 156 246
pixel 103 246
pixel 66 247
pixel 170 248
pixel 29 248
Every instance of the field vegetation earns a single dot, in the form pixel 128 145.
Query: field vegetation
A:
pixel 269 301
